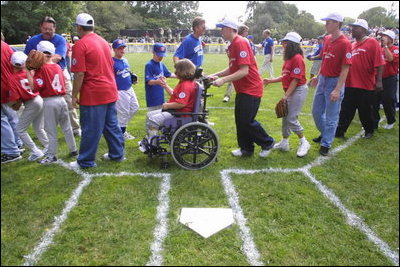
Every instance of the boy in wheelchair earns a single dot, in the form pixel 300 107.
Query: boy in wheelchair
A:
pixel 182 100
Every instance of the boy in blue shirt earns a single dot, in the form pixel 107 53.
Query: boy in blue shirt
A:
pixel 155 78
pixel 127 104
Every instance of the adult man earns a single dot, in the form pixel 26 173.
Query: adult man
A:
pixel 268 45
pixel 336 61
pixel 365 76
pixel 94 81
pixel 48 28
pixel 191 47
pixel 242 71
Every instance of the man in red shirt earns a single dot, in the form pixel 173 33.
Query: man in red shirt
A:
pixel 243 72
pixel 336 61
pixel 365 76
pixel 95 91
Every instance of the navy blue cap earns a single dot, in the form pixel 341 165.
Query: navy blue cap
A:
pixel 118 43
pixel 160 49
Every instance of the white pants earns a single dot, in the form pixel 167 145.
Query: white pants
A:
pixel 73 115
pixel 127 105
pixel 156 119
pixel 267 65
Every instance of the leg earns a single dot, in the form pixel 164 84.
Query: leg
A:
pixel 347 111
pixel 113 134
pixel 8 145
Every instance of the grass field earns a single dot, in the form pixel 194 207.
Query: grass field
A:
pixel 342 210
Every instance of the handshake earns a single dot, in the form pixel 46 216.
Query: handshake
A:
pixel 309 57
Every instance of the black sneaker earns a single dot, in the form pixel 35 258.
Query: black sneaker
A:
pixel 324 151
pixel 21 149
pixel 317 139
pixel 48 160
pixel 367 135
pixel 73 154
pixel 9 158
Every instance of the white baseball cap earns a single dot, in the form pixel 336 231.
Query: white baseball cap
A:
pixel 389 33
pixel 18 58
pixel 84 19
pixel 360 22
pixel 46 46
pixel 227 23
pixel 292 36
pixel 334 16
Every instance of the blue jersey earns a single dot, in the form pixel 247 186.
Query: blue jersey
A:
pixel 122 74
pixel 58 41
pixel 267 44
pixel 155 93
pixel 253 48
pixel 318 51
pixel 192 49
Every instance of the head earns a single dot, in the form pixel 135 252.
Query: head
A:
pixel 84 24
pixel 359 29
pixel 388 36
pixel 48 27
pixel 47 48
pixel 251 38
pixel 119 48
pixel 159 52
pixel 74 39
pixel 333 22
pixel 185 70
pixel 320 39
pixel 243 30
pixel 291 45
pixel 266 33
pixel 229 29
pixel 18 60
pixel 199 26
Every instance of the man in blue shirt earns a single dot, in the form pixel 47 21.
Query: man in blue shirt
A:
pixel 316 57
pixel 268 45
pixel 191 47
pixel 48 28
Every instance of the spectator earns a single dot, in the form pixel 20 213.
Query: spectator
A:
pixel 96 92
pixel 316 57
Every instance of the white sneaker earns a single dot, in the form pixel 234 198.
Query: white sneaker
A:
pixel 237 153
pixel 264 153
pixel 284 146
pixel 107 157
pixel 226 99
pixel 128 136
pixel 303 148
pixel 35 156
pixel 74 165
pixel 388 126
pixel 142 146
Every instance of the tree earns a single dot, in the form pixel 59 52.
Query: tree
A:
pixel 379 16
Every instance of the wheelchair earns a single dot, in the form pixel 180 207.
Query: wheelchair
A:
pixel 192 143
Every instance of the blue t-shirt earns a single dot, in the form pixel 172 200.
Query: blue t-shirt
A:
pixel 192 49
pixel 318 51
pixel 122 74
pixel 58 41
pixel 267 44
pixel 155 93
pixel 253 47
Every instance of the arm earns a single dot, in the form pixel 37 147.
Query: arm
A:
pixel 239 74
pixel 78 80
pixel 378 84
pixel 268 81
pixel 29 75
pixel 292 87
pixel 272 52
pixel 388 54
pixel 342 79
pixel 173 105
pixel 222 73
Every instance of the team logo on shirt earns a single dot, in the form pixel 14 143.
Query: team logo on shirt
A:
pixel 39 82
pixel 243 54
pixel 297 71
pixel 348 55
pixel 73 61
pixel 396 51
pixel 182 95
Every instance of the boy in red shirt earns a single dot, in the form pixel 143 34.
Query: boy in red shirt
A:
pixel 21 92
pixel 49 82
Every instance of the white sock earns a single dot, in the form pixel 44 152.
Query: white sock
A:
pixel 285 141
pixel 303 139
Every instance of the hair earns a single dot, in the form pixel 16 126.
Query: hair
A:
pixel 291 50
pixel 49 20
pixel 267 32
pixel 2 36
pixel 242 29
pixel 197 21
pixel 87 28
pixel 185 69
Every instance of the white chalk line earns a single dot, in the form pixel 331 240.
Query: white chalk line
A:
pixel 249 247
pixel 159 234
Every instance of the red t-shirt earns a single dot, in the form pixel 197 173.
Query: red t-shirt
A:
pixel 6 70
pixel 184 93
pixel 366 56
pixel 335 54
pixel 92 55
pixel 240 53
pixel 293 68
pixel 391 68
pixel 20 88
pixel 49 80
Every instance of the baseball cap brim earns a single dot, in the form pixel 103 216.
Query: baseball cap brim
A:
pixel 119 45
pixel 161 54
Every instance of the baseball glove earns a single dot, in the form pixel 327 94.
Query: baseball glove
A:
pixel 281 108
pixel 35 60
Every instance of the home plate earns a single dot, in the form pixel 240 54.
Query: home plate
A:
pixel 206 221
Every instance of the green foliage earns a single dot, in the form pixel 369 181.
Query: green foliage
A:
pixel 379 16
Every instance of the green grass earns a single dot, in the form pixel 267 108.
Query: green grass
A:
pixel 291 221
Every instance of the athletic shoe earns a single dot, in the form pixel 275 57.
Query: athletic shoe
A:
pixel 226 99
pixel 264 153
pixel 73 154
pixel 339 135
pixel 128 136
pixel 78 132
pixel 107 157
pixel 143 145
pixel 35 156
pixel 9 158
pixel 48 160
pixel 241 153
pixel 368 135
pixel 74 165
pixel 324 151
pixel 284 146
pixel 317 139
pixel 388 126
pixel 21 149
pixel 303 148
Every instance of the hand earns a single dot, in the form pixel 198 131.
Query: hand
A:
pixel 335 95
pixel 285 97
pixel 270 60
pixel 16 105
pixel 75 102
pixel 379 86
pixel 384 41
pixel 219 82
pixel 267 81
pixel 212 78
pixel 313 82
pixel 309 57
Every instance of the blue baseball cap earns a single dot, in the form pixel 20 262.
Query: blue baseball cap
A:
pixel 118 43
pixel 160 49
pixel 250 37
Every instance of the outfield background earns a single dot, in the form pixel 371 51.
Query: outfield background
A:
pixel 291 222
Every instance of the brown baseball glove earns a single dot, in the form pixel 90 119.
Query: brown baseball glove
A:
pixel 35 60
pixel 281 108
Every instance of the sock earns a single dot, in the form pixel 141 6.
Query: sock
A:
pixel 303 139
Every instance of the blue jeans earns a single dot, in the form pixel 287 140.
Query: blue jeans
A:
pixel 96 121
pixel 8 144
pixel 13 120
pixel 326 112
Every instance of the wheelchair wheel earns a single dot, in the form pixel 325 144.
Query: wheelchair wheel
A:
pixel 194 146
